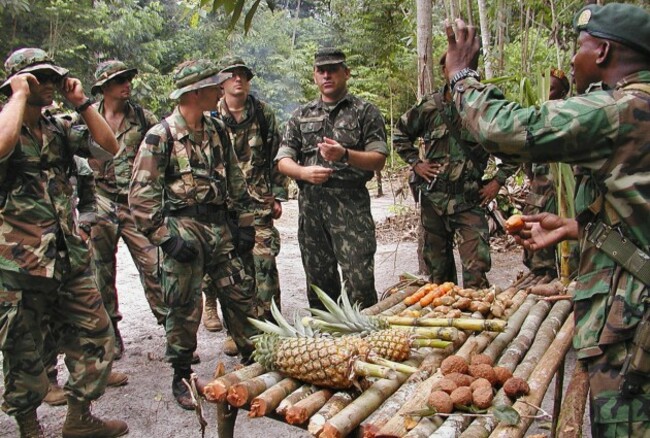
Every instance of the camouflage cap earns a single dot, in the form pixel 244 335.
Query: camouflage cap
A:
pixel 623 23
pixel 107 70
pixel 29 60
pixel 230 63
pixel 328 56
pixel 194 75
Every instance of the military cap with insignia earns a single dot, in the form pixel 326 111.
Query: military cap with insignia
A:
pixel 623 23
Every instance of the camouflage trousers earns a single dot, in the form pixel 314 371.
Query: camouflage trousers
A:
pixel 612 415
pixel 541 199
pixel 114 222
pixel 181 283
pixel 473 245
pixel 75 311
pixel 260 263
pixel 336 228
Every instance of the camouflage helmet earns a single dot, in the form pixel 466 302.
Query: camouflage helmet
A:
pixel 108 70
pixel 194 75
pixel 230 63
pixel 29 60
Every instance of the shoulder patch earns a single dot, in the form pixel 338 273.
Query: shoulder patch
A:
pixel 152 139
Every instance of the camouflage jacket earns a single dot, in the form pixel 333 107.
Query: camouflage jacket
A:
pixel 353 122
pixel 605 132
pixel 113 175
pixel 86 193
pixel 157 185
pixel 457 187
pixel 37 214
pixel 542 185
pixel 265 182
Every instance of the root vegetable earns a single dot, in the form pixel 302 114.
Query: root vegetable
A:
pixel 462 303
pixel 514 224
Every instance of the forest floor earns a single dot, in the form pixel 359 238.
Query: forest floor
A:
pixel 147 404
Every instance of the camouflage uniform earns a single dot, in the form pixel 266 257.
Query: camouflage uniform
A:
pixel 166 203
pixel 335 223
pixel 541 198
pixel 265 185
pixel 452 204
pixel 606 132
pixel 44 268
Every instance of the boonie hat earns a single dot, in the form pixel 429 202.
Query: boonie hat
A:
pixel 230 63
pixel 623 23
pixel 29 60
pixel 194 75
pixel 328 56
pixel 107 70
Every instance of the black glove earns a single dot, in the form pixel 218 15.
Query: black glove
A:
pixel 246 239
pixel 177 248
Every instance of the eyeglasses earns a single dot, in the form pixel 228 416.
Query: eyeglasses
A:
pixel 121 79
pixel 45 77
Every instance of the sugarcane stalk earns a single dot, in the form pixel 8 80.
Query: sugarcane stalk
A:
pixel 295 397
pixel 538 382
pixel 573 405
pixel 400 367
pixel 264 403
pixel 444 333
pixel 366 369
pixel 243 393
pixel 429 343
pixel 494 325
pixel 217 390
pixel 332 407
pixel 305 408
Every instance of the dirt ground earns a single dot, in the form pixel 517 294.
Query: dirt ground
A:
pixel 146 403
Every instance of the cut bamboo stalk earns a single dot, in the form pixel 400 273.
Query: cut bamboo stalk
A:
pixel 333 406
pixel 267 401
pixel 477 325
pixel 295 397
pixel 573 405
pixel 217 390
pixel 538 382
pixel 244 392
pixel 305 408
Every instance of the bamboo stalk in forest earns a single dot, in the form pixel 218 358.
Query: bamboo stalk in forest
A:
pixel 295 397
pixel 477 325
pixel 538 382
pixel 243 393
pixel 573 405
pixel 264 403
pixel 333 406
pixel 217 390
pixel 305 408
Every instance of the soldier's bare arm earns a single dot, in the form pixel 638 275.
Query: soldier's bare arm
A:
pixel 11 117
pixel 546 229
pixel 311 174
pixel 331 150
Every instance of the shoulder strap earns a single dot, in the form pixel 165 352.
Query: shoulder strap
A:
pixel 183 158
pixel 142 120
pixel 644 87
pixel 264 132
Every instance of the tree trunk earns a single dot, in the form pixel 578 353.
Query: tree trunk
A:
pixel 424 39
pixel 485 38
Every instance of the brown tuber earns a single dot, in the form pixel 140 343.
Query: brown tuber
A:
pixel 483 371
pixel 480 383
pixel 453 364
pixel 447 385
pixel 460 379
pixel 483 397
pixel 441 402
pixel 503 374
pixel 479 359
pixel 462 396
pixel 515 387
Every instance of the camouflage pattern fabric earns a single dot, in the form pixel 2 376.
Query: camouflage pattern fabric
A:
pixel 603 131
pixel 454 198
pixel 335 223
pixel 157 192
pixel 541 198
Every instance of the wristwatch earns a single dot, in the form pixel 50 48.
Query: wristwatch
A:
pixel 84 105
pixel 464 73
pixel 346 156
pixel 86 227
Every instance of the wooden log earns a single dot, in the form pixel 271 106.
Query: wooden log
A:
pixel 295 397
pixel 243 393
pixel 406 288
pixel 573 405
pixel 515 322
pixel 217 390
pixel 333 406
pixel 226 414
pixel 270 399
pixel 424 429
pixel 305 408
pixel 538 382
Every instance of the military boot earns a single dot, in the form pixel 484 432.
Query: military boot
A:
pixel 119 344
pixel 81 423
pixel 55 395
pixel 211 320
pixel 116 379
pixel 229 347
pixel 29 426
pixel 179 389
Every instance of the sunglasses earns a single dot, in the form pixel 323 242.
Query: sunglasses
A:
pixel 45 77
pixel 121 79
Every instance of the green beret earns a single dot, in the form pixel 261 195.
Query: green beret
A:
pixel 623 23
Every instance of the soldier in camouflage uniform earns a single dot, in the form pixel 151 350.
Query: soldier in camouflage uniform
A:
pixel 254 134
pixel 541 196
pixel 129 122
pixel 332 147
pixel 44 263
pixel 185 171
pixel 605 131
pixel 452 193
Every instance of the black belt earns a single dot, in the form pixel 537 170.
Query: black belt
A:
pixel 450 187
pixel 336 184
pixel 115 197
pixel 204 212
